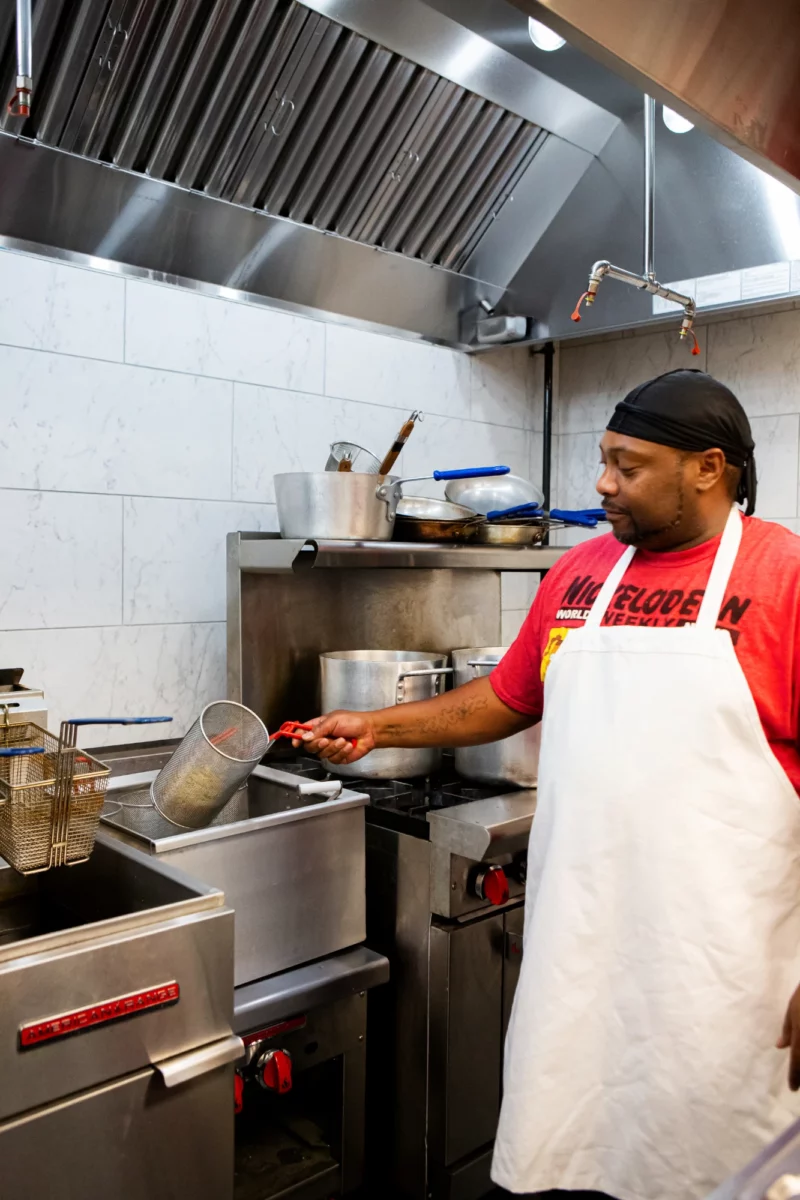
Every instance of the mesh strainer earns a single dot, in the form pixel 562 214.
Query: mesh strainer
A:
pixel 211 763
pixel 362 461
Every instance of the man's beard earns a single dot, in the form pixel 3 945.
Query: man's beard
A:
pixel 641 534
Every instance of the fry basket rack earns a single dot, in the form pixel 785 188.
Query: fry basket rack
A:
pixel 51 794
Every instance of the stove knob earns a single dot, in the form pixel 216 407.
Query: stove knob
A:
pixel 275 1071
pixel 238 1093
pixel 491 884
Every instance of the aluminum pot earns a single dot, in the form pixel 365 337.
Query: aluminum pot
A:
pixel 515 759
pixel 335 505
pixel 365 680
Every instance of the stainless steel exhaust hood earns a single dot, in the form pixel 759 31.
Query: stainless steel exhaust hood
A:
pixel 392 163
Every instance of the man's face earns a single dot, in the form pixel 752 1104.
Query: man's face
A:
pixel 644 490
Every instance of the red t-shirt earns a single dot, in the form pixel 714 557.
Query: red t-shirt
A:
pixel 761 610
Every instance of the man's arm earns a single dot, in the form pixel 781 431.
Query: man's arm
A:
pixel 466 716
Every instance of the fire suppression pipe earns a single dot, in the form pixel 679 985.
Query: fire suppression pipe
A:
pixel 20 103
pixel 647 281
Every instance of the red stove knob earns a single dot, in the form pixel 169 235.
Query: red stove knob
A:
pixel 275 1071
pixel 238 1093
pixel 491 884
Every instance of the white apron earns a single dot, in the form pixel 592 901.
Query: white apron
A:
pixel 662 922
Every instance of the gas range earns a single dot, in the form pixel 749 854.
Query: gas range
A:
pixel 404 805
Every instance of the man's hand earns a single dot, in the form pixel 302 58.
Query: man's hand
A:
pixel 329 736
pixel 790 1039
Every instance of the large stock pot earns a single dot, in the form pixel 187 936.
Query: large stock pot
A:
pixel 515 759
pixel 366 680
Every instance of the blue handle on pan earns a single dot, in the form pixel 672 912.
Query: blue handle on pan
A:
pixel 574 517
pixel 471 472
pixel 519 510
pixel 117 720
pixel 14 751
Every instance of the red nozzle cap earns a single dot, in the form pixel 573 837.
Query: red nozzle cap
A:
pixel 238 1093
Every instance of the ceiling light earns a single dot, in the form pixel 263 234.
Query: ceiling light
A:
pixel 675 122
pixel 543 37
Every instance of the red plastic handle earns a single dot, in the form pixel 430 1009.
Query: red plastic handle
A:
pixel 289 730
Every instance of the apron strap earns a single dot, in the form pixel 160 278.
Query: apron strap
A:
pixel 606 593
pixel 721 571
pixel 715 589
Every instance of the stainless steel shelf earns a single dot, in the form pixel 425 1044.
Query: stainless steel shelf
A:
pixel 260 553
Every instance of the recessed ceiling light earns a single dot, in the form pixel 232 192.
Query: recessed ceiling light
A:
pixel 543 37
pixel 675 122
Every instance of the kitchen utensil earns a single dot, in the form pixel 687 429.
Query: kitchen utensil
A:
pixel 366 680
pixel 52 795
pixel 412 529
pixel 335 506
pixel 400 441
pixel 421 508
pixel 486 494
pixel 585 517
pixel 211 763
pixel 362 461
pixel 291 729
pixel 500 533
pixel 345 465
pixel 348 507
pixel 515 759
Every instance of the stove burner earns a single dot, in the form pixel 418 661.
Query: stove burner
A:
pixel 399 803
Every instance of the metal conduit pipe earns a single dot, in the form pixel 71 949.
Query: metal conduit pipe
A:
pixel 647 280
pixel 20 103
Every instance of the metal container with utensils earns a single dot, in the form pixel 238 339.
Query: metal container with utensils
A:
pixel 334 506
pixel 366 680
pixel 212 762
pixel 515 759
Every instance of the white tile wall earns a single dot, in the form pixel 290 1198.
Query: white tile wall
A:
pixel 757 357
pixel 140 423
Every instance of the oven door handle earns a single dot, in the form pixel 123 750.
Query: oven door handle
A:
pixel 183 1067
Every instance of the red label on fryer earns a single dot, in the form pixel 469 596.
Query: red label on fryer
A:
pixel 66 1024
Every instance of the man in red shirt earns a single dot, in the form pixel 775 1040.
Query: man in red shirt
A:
pixel 662 935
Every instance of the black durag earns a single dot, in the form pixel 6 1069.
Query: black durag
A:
pixel 691 411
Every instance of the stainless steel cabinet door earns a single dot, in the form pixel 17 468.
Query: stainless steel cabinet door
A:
pixel 466 1036
pixel 514 923
pixel 134 1139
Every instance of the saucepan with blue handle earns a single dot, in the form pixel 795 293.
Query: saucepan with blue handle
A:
pixel 425 519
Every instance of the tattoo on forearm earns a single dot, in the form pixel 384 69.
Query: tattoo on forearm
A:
pixel 455 714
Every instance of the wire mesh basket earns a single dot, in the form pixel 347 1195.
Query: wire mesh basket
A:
pixel 51 795
pixel 212 762
pixel 362 461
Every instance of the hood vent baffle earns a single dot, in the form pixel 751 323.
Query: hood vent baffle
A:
pixel 268 105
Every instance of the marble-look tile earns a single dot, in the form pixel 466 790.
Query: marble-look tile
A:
pixel 759 359
pixel 518 588
pixel 62 557
pixel 277 431
pixel 174 556
pixel 73 424
pixel 443 443
pixel 575 536
pixel 577 458
pixel 511 622
pixel 504 388
pixel 181 330
pixel 49 306
pixel 376 369
pixel 777 449
pixel 594 377
pixel 124 670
